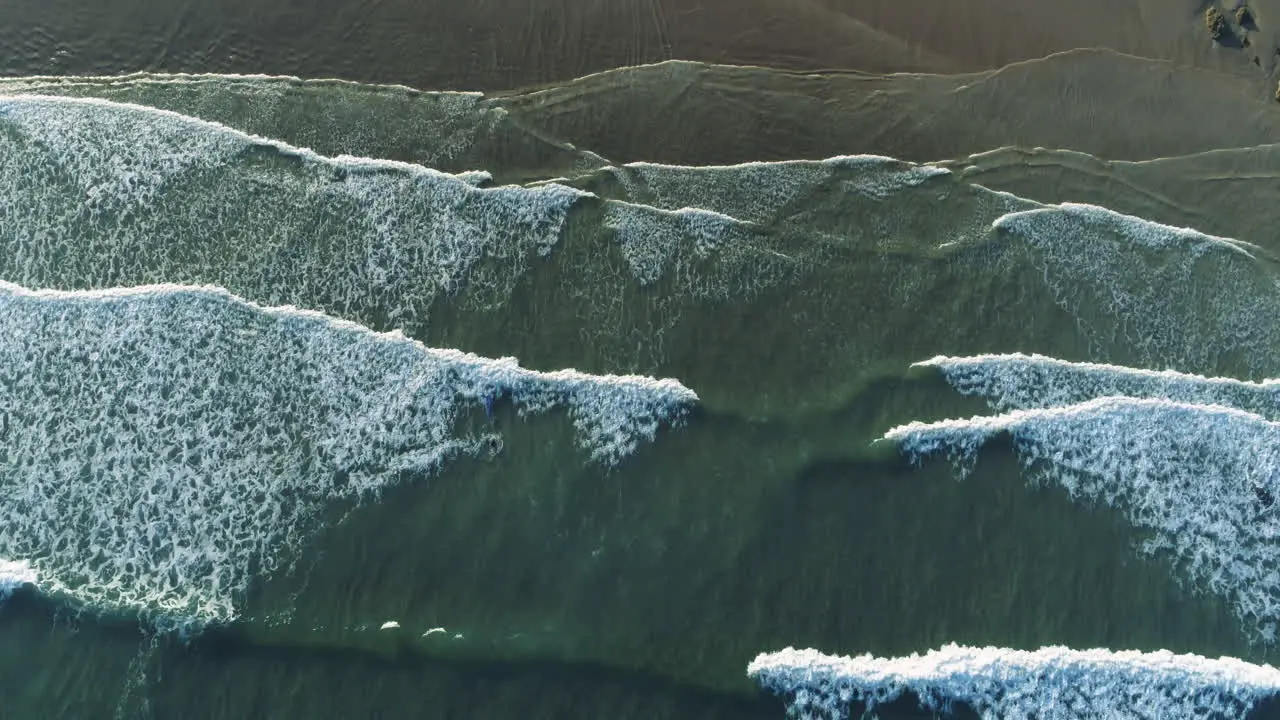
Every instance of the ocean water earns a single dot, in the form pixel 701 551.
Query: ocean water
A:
pixel 331 400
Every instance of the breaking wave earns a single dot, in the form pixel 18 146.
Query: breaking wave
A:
pixel 105 194
pixel 13 575
pixel 162 446
pixel 102 194
pixel 1201 480
pixel 1018 382
pixel 447 124
pixel 1003 684
pixel 1153 292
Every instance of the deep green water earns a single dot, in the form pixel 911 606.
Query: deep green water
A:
pixel 771 518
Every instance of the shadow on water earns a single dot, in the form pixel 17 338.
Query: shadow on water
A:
pixel 201 675
pixel 989 561
pixel 323 676
pixel 473 674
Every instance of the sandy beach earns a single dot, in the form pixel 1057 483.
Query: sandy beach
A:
pixel 504 44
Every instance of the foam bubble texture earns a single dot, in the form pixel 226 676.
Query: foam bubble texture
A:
pixel 760 192
pixel 1053 683
pixel 880 177
pixel 654 240
pixel 755 192
pixel 13 575
pixel 162 446
pixel 1017 382
pixel 436 129
pixel 699 254
pixel 1200 480
pixel 1154 292
pixel 101 194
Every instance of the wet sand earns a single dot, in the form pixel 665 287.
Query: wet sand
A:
pixel 1096 101
pixel 503 44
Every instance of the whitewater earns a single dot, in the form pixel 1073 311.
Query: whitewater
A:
pixel 1052 683
pixel 193 370
pixel 1190 460
pixel 165 446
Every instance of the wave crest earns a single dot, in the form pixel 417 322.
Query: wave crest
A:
pixel 1000 684
pixel 1152 291
pixel 1017 382
pixel 1201 479
pixel 103 194
pixel 165 445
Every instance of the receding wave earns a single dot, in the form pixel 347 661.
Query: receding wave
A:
pixel 103 194
pixel 1152 291
pixel 164 445
pixel 998 683
pixel 679 245
pixel 1200 479
pixel 761 191
pixel 452 131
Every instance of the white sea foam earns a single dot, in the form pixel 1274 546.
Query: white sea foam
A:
pixel 677 214
pixel 1134 229
pixel 653 240
pixel 755 192
pixel 15 574
pixel 102 194
pixel 162 446
pixel 1155 292
pixel 1201 481
pixel 1053 683
pixel 762 191
pixel 699 254
pixel 715 234
pixel 1018 382
pixel 333 116
pixel 880 177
